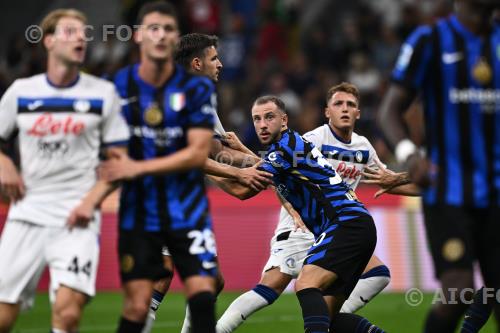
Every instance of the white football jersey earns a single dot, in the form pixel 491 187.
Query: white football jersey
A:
pixel 348 159
pixel 60 131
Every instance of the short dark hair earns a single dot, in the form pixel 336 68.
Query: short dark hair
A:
pixel 162 7
pixel 271 98
pixel 344 87
pixel 193 46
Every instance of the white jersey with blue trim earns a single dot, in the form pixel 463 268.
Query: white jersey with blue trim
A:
pixel 60 132
pixel 348 158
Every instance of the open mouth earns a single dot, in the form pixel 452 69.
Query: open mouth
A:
pixel 79 49
pixel 345 118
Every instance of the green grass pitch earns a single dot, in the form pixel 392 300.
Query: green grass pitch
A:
pixel 388 310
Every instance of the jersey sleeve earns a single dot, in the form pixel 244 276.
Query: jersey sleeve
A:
pixel 8 113
pixel 314 138
pixel 277 160
pixel 114 128
pixel 414 59
pixel 201 104
pixel 373 157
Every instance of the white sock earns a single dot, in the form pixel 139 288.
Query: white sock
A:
pixel 186 325
pixel 239 310
pixel 150 319
pixel 364 291
pixel 56 330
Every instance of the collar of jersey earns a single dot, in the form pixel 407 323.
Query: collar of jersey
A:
pixel 338 137
pixel 69 85
pixel 462 29
pixel 138 79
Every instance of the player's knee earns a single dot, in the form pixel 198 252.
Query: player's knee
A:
pixel 137 309
pixel 68 317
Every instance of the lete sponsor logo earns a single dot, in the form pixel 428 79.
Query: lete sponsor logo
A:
pixel 47 124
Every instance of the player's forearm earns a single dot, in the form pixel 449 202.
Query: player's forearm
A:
pixel 185 159
pixel 215 168
pixel 240 159
pixel 410 190
pixel 232 187
pixel 390 117
pixel 99 192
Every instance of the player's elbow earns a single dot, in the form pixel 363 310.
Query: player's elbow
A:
pixel 245 193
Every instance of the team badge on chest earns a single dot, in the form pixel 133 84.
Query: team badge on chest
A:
pixel 153 115
pixel 482 72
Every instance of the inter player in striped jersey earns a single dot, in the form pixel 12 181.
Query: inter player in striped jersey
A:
pixel 344 230
pixel 171 116
pixel 197 53
pixel 455 65
pixel 349 153
pixel 62 118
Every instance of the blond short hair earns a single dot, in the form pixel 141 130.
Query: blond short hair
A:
pixel 50 21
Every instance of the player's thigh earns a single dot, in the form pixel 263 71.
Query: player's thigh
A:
pixel 450 231
pixel 74 267
pixel 288 251
pixel 345 249
pixel 193 250
pixel 140 255
pixel 22 261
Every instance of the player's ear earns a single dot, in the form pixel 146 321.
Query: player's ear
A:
pixel 285 120
pixel 196 64
pixel 138 35
pixel 48 41
pixel 327 114
pixel 358 114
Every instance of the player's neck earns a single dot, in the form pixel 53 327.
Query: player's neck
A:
pixel 343 135
pixel 60 74
pixel 154 72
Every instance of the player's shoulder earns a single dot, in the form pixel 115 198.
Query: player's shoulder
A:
pixel 93 82
pixel 318 132
pixel 360 141
pixel 26 83
pixel 189 81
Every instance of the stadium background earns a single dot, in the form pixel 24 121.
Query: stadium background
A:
pixel 296 49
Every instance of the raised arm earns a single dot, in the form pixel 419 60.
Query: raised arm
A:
pixel 232 187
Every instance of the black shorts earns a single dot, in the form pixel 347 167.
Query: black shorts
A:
pixel 193 252
pixel 345 249
pixel 458 236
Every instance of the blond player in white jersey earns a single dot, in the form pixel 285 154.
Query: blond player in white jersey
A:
pixel 350 154
pixel 62 117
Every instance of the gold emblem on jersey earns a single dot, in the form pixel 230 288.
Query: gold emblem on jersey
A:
pixel 127 263
pixel 153 115
pixel 453 249
pixel 482 72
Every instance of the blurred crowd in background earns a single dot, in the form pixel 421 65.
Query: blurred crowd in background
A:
pixel 295 49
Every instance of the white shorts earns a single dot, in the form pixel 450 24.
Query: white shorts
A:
pixel 288 254
pixel 27 248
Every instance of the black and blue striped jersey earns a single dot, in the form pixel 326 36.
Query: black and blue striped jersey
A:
pixel 458 74
pixel 159 119
pixel 308 181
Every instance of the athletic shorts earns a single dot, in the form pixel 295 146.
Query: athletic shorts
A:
pixel 345 249
pixel 27 248
pixel 141 253
pixel 458 236
pixel 288 250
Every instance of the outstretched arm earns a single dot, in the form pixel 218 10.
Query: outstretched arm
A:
pixel 232 187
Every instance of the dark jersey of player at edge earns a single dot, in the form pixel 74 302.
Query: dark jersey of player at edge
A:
pixel 308 181
pixel 459 73
pixel 159 119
